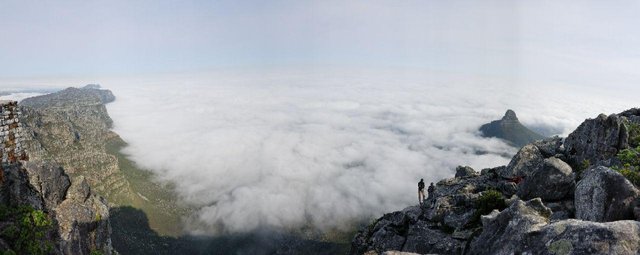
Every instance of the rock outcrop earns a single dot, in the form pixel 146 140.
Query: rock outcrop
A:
pixel 553 181
pixel 605 195
pixel 596 140
pixel 43 210
pixel 555 197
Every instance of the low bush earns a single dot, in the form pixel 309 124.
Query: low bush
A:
pixel 26 230
pixel 488 201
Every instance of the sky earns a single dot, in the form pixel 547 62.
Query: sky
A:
pixel 285 113
pixel 590 42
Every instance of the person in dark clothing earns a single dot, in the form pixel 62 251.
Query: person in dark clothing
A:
pixel 431 190
pixel 421 191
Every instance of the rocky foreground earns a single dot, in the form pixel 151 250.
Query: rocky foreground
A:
pixel 557 196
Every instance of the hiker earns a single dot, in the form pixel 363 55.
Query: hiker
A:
pixel 431 190
pixel 421 191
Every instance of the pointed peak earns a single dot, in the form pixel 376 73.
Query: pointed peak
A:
pixel 510 115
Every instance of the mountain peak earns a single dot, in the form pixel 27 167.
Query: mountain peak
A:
pixel 510 115
pixel 510 129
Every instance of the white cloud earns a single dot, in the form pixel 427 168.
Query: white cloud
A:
pixel 278 149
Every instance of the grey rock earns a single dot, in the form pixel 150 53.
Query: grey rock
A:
pixel 15 190
pixel 83 220
pixel 464 171
pixel 504 232
pixel 605 195
pixel 596 139
pixel 49 180
pixel 550 146
pixel 526 161
pixel 584 237
pixel 553 181
pixel 422 239
pixel 562 210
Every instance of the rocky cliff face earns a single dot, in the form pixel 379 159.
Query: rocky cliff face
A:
pixel 41 210
pixel 72 128
pixel 555 197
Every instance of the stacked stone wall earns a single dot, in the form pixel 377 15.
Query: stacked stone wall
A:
pixel 11 136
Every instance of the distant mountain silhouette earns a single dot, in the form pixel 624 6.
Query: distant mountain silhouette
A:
pixel 511 130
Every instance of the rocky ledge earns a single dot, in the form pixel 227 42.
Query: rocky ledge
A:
pixel 557 196
pixel 44 212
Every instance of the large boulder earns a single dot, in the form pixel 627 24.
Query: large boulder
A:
pixel 504 232
pixel 422 238
pixel 465 171
pixel 596 140
pixel 604 195
pixel 525 162
pixel 552 182
pixel 584 237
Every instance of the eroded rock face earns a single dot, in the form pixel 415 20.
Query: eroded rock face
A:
pixel 604 195
pixel 526 161
pixel 81 218
pixel 504 232
pixel 552 182
pixel 596 139
pixel 83 221
pixel 49 180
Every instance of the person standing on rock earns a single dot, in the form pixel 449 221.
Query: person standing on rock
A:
pixel 421 191
pixel 431 190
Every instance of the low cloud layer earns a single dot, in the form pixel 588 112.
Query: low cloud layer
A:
pixel 283 149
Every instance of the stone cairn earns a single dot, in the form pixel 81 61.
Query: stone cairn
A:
pixel 11 138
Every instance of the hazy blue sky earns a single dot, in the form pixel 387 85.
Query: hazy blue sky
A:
pixel 590 42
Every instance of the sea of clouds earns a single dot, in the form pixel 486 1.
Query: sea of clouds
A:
pixel 285 149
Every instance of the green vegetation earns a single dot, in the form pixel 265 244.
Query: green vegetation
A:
pixel 157 200
pixel 634 133
pixel 630 160
pixel 96 252
pixel 27 230
pixel 584 165
pixel 487 202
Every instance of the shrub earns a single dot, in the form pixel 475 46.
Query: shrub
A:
pixel 96 252
pixel 27 230
pixel 631 175
pixel 487 202
pixel 634 134
pixel 584 165
pixel 630 169
pixel 490 200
